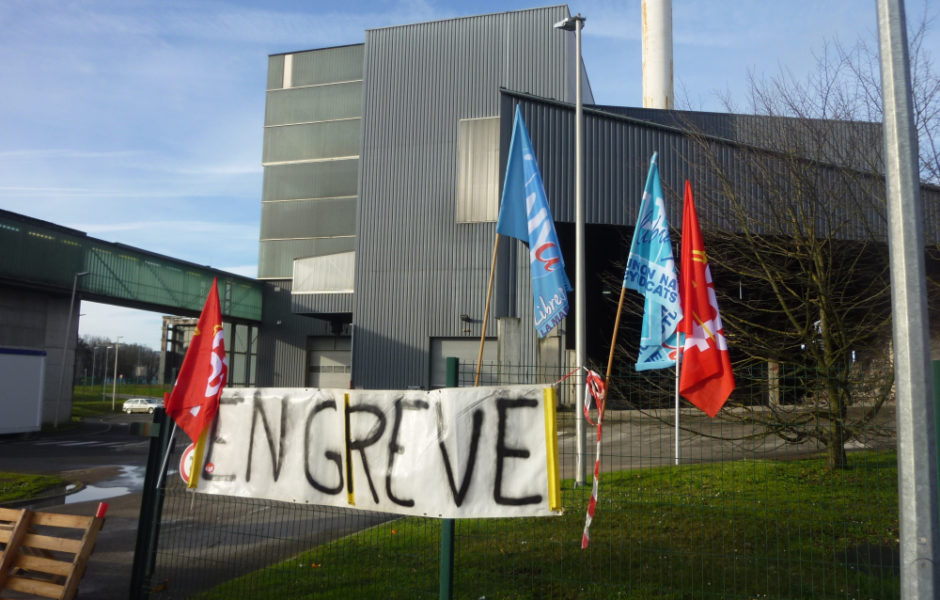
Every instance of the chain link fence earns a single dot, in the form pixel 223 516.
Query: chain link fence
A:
pixel 747 508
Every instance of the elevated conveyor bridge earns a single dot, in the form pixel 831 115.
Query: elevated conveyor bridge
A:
pixel 39 262
pixel 45 256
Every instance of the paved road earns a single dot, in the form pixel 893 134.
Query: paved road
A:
pixel 106 457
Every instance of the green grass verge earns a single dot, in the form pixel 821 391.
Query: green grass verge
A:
pixel 747 529
pixel 18 486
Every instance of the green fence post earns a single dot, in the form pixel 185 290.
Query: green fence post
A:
pixel 446 591
pixel 151 504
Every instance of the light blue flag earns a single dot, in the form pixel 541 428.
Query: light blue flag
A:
pixel 651 270
pixel 524 215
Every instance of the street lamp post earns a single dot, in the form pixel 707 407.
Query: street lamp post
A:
pixel 576 24
pixel 94 355
pixel 65 346
pixel 104 371
pixel 117 344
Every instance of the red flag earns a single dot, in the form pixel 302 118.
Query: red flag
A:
pixel 194 401
pixel 705 378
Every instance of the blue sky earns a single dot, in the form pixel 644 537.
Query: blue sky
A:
pixel 141 121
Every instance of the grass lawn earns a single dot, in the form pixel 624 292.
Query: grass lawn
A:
pixel 746 529
pixel 18 486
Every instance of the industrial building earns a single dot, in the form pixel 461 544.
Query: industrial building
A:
pixel 383 165
pixel 381 182
pixel 382 172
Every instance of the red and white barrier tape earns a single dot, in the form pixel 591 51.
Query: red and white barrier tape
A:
pixel 595 389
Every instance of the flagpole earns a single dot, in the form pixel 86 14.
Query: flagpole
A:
pixel 575 24
pixel 613 346
pixel 166 456
pixel 486 311
pixel 677 401
pixel 447 525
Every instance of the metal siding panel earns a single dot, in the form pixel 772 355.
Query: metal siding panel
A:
pixel 297 219
pixel 327 65
pixel 276 72
pixel 314 304
pixel 310 180
pixel 311 104
pixel 276 257
pixel 311 141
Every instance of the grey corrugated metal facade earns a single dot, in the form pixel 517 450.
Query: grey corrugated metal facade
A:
pixel 418 268
pixel 618 147
pixel 420 80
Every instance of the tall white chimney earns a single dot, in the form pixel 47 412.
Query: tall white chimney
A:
pixel 657 53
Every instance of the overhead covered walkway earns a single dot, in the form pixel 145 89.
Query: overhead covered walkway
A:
pixel 45 256
pixel 40 262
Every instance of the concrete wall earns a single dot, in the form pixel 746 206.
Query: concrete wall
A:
pixel 32 319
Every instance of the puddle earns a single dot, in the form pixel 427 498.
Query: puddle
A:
pixel 129 479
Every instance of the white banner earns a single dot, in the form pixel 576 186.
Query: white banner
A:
pixel 449 453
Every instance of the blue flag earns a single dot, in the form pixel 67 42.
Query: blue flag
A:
pixel 651 270
pixel 524 215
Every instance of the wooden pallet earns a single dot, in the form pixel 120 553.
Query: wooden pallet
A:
pixel 43 555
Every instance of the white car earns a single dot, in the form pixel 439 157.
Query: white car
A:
pixel 147 405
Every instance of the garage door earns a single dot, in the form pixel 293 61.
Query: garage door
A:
pixel 329 362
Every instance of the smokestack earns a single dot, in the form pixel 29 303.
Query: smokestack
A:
pixel 657 54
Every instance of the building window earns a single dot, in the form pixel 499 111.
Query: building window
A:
pixel 478 170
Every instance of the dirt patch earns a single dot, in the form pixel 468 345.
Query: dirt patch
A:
pixel 93 475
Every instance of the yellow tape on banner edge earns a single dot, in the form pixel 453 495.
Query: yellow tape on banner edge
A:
pixel 551 449
pixel 350 494
pixel 198 454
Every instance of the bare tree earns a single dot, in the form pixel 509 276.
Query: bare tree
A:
pixel 804 239
pixel 794 216
pixel 846 86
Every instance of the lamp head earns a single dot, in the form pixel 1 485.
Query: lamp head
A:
pixel 570 23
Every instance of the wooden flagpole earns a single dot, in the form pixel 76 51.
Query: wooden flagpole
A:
pixel 613 346
pixel 486 311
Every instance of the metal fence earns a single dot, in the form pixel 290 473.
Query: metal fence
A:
pixel 744 514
